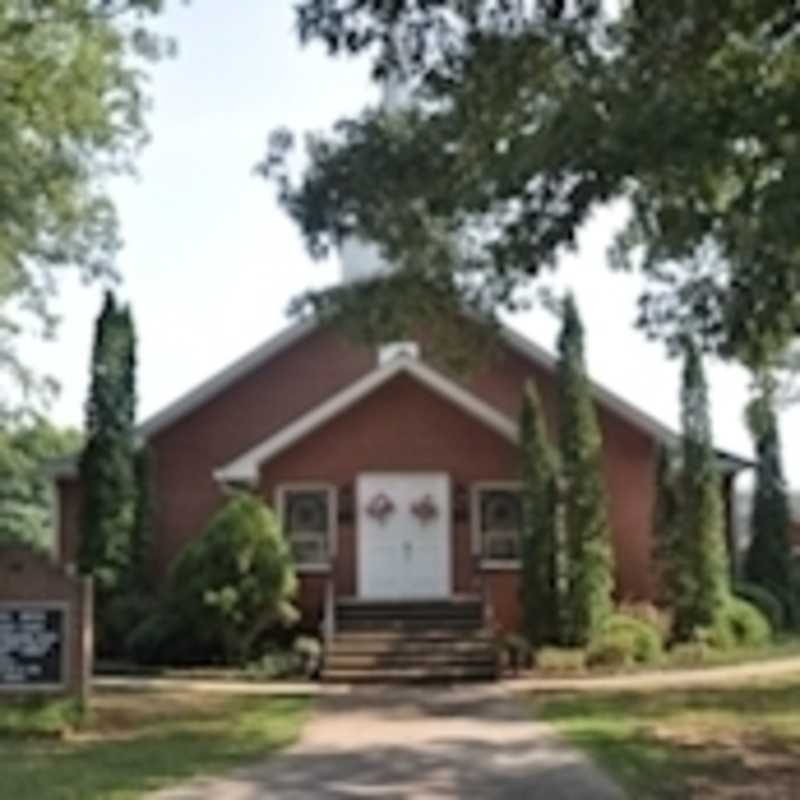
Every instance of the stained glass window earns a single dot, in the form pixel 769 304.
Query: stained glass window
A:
pixel 307 524
pixel 500 512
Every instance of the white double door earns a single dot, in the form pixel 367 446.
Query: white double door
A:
pixel 403 535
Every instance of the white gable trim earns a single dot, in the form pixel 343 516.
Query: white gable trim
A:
pixel 604 396
pixel 245 467
pixel 223 379
pixel 67 467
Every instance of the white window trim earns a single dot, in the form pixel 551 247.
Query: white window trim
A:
pixel 489 564
pixel 333 513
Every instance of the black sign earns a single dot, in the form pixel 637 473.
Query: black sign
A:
pixel 31 645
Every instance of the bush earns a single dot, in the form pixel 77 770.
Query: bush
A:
pixel 163 639
pixel 765 601
pixel 613 648
pixel 740 624
pixel 274 664
pixel 123 614
pixel 515 652
pixel 226 593
pixel 561 660
pixel 690 654
pixel 652 615
pixel 793 610
pixel 647 639
pixel 309 654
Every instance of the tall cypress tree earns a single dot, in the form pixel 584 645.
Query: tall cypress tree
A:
pixel 587 533
pixel 107 462
pixel 143 531
pixel 703 580
pixel 769 559
pixel 540 539
pixel 665 528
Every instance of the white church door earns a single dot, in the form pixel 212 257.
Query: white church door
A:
pixel 403 535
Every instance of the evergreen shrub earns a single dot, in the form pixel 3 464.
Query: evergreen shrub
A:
pixel 739 624
pixel 626 640
pixel 764 600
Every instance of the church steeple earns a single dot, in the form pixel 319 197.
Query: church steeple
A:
pixel 362 260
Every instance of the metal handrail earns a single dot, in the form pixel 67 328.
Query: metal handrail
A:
pixel 328 624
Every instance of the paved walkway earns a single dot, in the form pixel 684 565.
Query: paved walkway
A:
pixel 390 742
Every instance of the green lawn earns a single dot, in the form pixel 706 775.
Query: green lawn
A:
pixel 739 742
pixel 136 742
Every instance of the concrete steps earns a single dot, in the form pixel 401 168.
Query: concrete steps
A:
pixel 410 641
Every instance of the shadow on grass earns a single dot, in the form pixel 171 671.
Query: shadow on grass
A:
pixel 123 766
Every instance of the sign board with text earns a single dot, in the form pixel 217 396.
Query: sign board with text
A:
pixel 33 645
pixel 46 625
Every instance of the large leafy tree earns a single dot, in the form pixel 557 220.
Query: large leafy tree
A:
pixel 107 464
pixel 72 108
pixel 27 512
pixel 541 543
pixel 531 116
pixel 589 552
pixel 702 576
pixel 769 558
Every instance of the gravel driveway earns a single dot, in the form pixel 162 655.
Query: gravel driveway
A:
pixel 475 741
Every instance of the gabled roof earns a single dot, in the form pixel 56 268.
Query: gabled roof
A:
pixel 227 377
pixel 217 383
pixel 245 467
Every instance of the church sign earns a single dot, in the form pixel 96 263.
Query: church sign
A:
pixel 33 646
pixel 46 635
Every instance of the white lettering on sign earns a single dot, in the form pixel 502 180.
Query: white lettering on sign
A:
pixel 31 642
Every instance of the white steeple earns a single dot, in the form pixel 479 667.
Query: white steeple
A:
pixel 362 260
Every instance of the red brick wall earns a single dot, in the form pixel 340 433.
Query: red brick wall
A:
pixel 629 463
pixel 188 451
pixel 30 577
pixel 69 518
pixel 400 427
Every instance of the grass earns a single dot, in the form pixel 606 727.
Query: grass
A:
pixel 783 647
pixel 137 742
pixel 38 716
pixel 715 744
pixel 567 663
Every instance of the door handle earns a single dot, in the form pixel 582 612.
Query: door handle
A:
pixel 407 548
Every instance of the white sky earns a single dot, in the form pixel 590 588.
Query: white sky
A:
pixel 211 262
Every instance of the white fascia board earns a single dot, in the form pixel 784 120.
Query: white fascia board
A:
pixel 245 467
pixel 608 398
pixel 67 467
pixel 221 380
pixel 726 461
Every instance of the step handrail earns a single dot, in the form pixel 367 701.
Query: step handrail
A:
pixel 328 624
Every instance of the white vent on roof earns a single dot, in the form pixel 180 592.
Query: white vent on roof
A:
pixel 392 350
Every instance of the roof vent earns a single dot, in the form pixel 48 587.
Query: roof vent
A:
pixel 393 350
